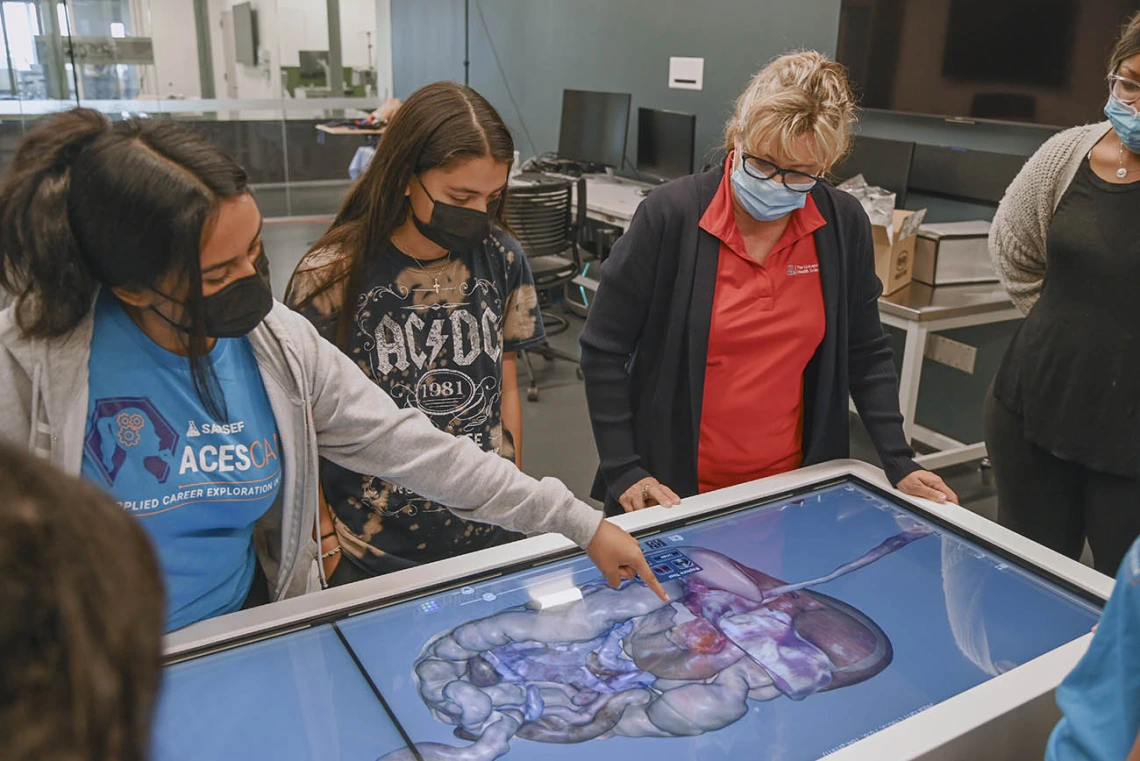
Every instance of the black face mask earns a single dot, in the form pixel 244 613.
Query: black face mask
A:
pixel 238 308
pixel 455 228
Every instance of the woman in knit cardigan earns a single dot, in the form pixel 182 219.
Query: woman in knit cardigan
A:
pixel 1063 416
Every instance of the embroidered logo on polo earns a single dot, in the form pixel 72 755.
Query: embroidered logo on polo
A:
pixel 802 269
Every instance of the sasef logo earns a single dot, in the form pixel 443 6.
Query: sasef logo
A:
pixel 209 428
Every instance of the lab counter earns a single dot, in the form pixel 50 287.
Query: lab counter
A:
pixel 811 614
pixel 919 302
pixel 922 312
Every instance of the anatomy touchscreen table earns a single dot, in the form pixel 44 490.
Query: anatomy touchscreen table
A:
pixel 793 629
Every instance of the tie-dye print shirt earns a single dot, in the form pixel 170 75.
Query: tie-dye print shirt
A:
pixel 433 335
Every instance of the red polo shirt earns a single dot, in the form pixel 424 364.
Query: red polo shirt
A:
pixel 767 322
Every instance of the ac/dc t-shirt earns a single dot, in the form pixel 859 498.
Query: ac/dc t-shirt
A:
pixel 432 335
pixel 197 485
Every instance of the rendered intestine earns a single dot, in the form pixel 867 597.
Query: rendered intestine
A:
pixel 622 662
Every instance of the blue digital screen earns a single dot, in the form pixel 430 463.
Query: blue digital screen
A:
pixel 291 698
pixel 804 624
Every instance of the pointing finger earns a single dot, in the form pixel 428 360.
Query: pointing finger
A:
pixel 650 579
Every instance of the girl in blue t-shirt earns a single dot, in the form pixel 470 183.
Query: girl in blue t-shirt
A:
pixel 145 351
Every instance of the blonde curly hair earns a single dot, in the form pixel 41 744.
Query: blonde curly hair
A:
pixel 797 94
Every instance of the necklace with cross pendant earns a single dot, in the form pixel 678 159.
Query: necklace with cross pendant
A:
pixel 435 278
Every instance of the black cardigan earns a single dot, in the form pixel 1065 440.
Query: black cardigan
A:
pixel 645 343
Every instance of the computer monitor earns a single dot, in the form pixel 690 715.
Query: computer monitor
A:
pixel 885 163
pixel 594 126
pixel 665 143
pixel 314 64
pixel 245 34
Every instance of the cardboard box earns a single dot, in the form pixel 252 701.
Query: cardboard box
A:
pixel 953 252
pixel 894 249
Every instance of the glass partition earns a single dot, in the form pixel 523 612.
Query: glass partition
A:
pixel 256 78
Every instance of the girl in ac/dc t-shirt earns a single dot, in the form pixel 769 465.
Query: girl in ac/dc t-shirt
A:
pixel 418 285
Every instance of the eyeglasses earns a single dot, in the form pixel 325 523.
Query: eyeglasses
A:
pixel 1124 90
pixel 762 169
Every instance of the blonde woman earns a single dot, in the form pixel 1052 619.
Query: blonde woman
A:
pixel 740 309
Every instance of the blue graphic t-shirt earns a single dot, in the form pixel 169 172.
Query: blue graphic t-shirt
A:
pixel 197 484
pixel 1100 699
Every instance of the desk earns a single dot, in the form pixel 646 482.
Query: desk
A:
pixel 613 200
pixel 365 131
pixel 609 199
pixel 920 310
pixel 323 130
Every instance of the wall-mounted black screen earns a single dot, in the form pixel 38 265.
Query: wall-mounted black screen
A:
pixel 1038 61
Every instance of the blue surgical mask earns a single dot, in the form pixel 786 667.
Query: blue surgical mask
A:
pixel 1125 121
pixel 765 200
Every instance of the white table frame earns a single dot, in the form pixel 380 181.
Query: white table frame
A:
pixel 948 451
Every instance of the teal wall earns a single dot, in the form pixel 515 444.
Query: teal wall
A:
pixel 543 46
pixel 540 47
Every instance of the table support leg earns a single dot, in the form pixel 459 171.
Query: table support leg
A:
pixel 913 354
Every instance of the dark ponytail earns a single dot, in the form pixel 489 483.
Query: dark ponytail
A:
pixel 90 203
pixel 40 260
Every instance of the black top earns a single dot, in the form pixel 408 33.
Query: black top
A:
pixel 645 344
pixel 432 335
pixel 1073 369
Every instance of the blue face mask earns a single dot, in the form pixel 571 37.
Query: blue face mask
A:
pixel 1125 121
pixel 765 200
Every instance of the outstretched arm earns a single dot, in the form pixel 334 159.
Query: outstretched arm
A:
pixel 359 427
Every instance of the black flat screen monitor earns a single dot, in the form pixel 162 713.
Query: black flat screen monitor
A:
pixel 1035 61
pixel 594 126
pixel 665 143
pixel 808 621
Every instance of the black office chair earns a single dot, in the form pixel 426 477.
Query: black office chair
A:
pixel 547 223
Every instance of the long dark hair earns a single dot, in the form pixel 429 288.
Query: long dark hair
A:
pixel 81 632
pixel 90 203
pixel 439 124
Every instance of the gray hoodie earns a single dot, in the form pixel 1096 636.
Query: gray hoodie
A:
pixel 324 406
